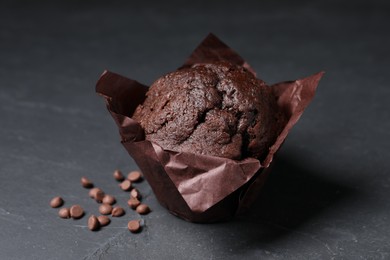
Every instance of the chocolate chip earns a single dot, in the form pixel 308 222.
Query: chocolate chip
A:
pixel 97 194
pixel 134 176
pixel 133 203
pixel 105 209
pixel 93 223
pixel 86 183
pixel 76 211
pixel 135 194
pixel 93 191
pixel 109 199
pixel 125 185
pixel 134 226
pixel 56 202
pixel 104 220
pixel 143 209
pixel 117 212
pixel 118 175
pixel 64 213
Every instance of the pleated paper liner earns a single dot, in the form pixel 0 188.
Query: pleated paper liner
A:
pixel 196 187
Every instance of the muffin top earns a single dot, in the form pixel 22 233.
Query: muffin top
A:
pixel 217 109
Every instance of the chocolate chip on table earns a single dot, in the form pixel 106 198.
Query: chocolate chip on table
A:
pixel 117 212
pixel 93 191
pixel 133 203
pixel 97 194
pixel 125 185
pixel 64 213
pixel 118 175
pixel 93 223
pixel 86 183
pixel 105 209
pixel 134 193
pixel 143 209
pixel 134 176
pixel 104 220
pixel 76 211
pixel 134 226
pixel 109 199
pixel 56 202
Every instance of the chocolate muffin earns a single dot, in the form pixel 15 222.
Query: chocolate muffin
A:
pixel 217 109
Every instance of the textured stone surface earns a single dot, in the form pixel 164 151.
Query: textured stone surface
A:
pixel 328 194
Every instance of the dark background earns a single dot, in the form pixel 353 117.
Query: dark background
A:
pixel 328 194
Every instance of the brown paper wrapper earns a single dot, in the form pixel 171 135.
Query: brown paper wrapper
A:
pixel 195 187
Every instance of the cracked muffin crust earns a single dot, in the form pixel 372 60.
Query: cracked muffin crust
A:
pixel 217 109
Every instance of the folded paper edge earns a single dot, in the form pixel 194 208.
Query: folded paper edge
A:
pixel 304 87
pixel 212 49
pixel 116 89
pixel 246 169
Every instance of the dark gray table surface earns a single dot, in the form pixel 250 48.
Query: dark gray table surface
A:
pixel 328 195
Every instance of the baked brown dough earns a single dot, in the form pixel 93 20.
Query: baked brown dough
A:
pixel 217 109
